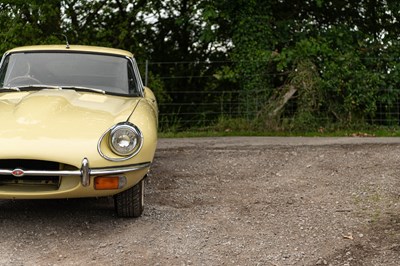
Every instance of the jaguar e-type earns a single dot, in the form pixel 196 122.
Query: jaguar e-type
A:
pixel 75 121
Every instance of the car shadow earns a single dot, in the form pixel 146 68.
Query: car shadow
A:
pixel 84 208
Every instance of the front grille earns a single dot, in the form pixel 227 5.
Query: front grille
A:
pixel 52 181
pixel 29 164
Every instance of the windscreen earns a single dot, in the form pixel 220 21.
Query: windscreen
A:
pixel 112 74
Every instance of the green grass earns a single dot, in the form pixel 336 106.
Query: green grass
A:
pixel 211 132
pixel 340 133
pixel 241 127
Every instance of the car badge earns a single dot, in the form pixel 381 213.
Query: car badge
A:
pixel 18 172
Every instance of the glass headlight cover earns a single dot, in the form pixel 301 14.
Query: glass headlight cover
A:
pixel 125 139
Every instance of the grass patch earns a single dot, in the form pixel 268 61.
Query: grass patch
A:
pixel 218 132
pixel 241 127
pixel 193 133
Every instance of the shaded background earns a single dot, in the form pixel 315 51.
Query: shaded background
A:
pixel 254 65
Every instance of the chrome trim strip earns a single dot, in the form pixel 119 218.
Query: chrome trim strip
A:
pixel 85 172
pixel 139 81
pixel 120 159
pixel 119 170
pixel 43 172
pixel 3 57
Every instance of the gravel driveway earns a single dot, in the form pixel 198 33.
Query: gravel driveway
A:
pixel 229 201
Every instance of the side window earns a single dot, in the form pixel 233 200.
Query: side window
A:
pixel 3 70
pixel 133 87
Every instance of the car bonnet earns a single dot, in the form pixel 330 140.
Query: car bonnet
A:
pixel 58 119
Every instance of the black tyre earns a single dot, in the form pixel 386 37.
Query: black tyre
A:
pixel 130 202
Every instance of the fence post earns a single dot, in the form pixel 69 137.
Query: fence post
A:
pixel 247 106
pixel 146 77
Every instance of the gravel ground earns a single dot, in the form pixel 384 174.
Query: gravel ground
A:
pixel 229 201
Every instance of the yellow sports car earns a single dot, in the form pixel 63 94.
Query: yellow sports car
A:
pixel 75 121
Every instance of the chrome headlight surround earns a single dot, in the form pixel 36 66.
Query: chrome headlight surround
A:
pixel 124 139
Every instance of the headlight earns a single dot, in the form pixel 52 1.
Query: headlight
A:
pixel 125 139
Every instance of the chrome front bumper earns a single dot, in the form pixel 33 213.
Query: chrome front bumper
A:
pixel 85 172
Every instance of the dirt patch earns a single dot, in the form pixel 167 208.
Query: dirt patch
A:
pixel 229 201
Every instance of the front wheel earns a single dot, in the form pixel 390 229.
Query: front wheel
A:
pixel 130 203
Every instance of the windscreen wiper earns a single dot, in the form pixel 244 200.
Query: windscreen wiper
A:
pixel 56 87
pixel 43 86
pixel 10 89
pixel 31 87
pixel 79 88
pixel 39 86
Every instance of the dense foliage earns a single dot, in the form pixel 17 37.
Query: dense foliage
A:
pixel 290 64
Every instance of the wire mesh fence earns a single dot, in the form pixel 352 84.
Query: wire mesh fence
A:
pixel 195 101
pixel 201 109
pixel 205 109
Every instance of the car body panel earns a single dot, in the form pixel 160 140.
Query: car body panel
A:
pixel 70 187
pixel 65 126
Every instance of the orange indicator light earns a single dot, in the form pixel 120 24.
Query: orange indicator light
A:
pixel 107 182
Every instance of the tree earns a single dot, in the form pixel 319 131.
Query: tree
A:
pixel 298 60
pixel 185 49
pixel 29 22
